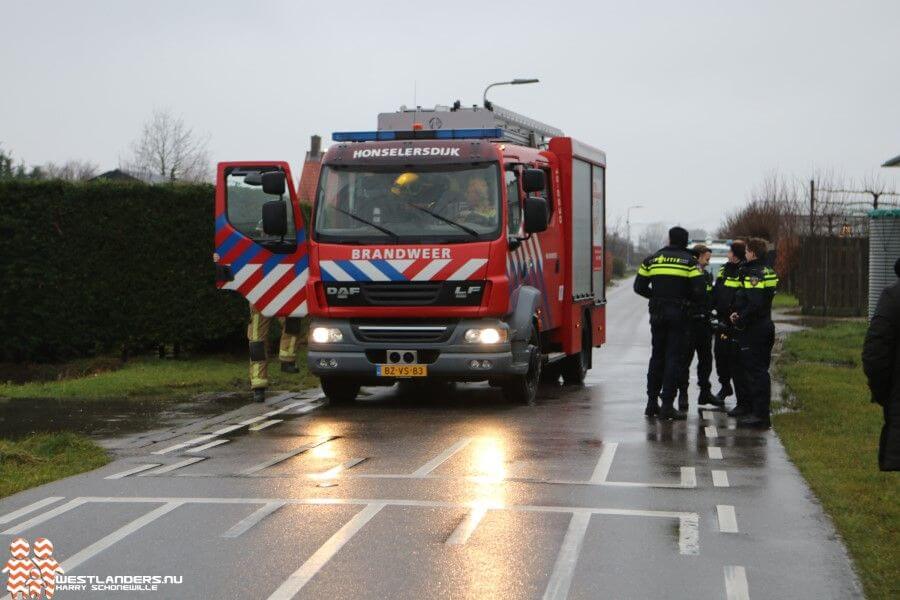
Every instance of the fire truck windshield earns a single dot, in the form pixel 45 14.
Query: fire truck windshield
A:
pixel 408 204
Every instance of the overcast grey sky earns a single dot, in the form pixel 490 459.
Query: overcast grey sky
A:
pixel 693 101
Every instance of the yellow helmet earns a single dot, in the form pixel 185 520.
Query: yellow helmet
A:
pixel 406 183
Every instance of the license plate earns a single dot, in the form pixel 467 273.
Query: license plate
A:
pixel 401 370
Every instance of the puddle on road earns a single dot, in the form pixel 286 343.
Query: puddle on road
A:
pixel 107 418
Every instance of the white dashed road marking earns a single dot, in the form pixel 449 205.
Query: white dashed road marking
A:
pixel 604 463
pixel 736 587
pixel 567 559
pixel 132 471
pixel 314 563
pixel 688 477
pixel 12 516
pixel 74 503
pixel 711 431
pixel 438 460
pixel 245 524
pixel 173 466
pixel 264 424
pixel 714 452
pixel 720 478
pixel 211 444
pixel 467 526
pixel 727 518
pixel 282 457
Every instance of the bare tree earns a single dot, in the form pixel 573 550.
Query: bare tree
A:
pixel 169 150
pixel 71 170
pixel 654 236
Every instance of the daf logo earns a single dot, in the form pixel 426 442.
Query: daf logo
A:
pixel 462 292
pixel 342 292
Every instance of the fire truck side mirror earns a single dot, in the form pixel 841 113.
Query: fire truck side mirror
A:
pixel 533 180
pixel 536 214
pixel 274 218
pixel 273 182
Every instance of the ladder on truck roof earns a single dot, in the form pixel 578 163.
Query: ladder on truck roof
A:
pixel 514 127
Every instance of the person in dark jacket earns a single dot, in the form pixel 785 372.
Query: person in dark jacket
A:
pixel 725 349
pixel 700 339
pixel 881 363
pixel 752 318
pixel 671 280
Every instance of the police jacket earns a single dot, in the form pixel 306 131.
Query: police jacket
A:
pixel 753 300
pixel 671 276
pixel 727 283
pixel 704 308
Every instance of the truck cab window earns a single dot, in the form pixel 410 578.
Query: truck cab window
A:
pixel 514 202
pixel 244 198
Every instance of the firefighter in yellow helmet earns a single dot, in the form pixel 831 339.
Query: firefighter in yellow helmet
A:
pixel 407 184
pixel 257 334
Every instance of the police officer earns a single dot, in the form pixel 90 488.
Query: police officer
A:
pixel 257 335
pixel 752 318
pixel 700 342
pixel 671 280
pixel 727 283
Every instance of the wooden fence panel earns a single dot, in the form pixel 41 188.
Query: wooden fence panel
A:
pixel 833 274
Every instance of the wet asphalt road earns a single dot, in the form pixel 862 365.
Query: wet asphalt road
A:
pixel 451 495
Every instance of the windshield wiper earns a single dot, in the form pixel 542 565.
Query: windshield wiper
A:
pixel 468 230
pixel 369 223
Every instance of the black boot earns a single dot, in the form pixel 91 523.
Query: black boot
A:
pixel 668 413
pixel 259 395
pixel 289 367
pixel 652 408
pixel 753 422
pixel 724 392
pixel 682 400
pixel 706 397
pixel 739 411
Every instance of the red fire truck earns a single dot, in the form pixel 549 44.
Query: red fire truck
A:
pixel 453 244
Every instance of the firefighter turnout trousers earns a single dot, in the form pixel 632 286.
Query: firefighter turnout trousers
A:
pixel 669 338
pixel 700 343
pixel 754 355
pixel 258 334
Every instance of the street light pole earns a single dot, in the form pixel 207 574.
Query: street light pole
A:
pixel 628 234
pixel 511 82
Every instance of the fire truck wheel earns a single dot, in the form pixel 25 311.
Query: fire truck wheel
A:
pixel 339 390
pixel 575 366
pixel 522 389
pixel 550 373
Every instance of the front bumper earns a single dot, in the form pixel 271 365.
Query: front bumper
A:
pixel 451 359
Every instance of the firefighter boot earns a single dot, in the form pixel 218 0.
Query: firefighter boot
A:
pixel 259 395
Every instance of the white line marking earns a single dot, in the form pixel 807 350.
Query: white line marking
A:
pixel 74 503
pixel 196 440
pixel 688 477
pixel 228 429
pixel 173 466
pixel 314 563
pixel 736 587
pixel 720 478
pixel 435 462
pixel 564 568
pixel 337 470
pixel 711 431
pixel 601 471
pixel 254 420
pixel 264 424
pixel 12 516
pixel 709 415
pixel 689 534
pixel 467 526
pixel 254 518
pixel 714 452
pixel 132 471
pixel 282 457
pixel 211 444
pixel 278 411
pixel 727 518
pixel 117 535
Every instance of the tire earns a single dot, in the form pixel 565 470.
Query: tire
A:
pixel 522 389
pixel 339 391
pixel 550 373
pixel 574 367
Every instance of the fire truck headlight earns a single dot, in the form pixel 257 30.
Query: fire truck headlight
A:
pixel 325 335
pixel 488 335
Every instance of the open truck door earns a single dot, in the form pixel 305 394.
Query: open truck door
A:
pixel 261 248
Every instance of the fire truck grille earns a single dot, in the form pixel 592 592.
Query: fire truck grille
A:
pixel 406 294
pixel 403 333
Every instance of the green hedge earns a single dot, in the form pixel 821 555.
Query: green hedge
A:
pixel 101 266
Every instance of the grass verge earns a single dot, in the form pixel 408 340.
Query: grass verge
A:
pixel 833 440
pixel 163 379
pixel 785 301
pixel 45 457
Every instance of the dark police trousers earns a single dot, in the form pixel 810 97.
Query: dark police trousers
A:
pixel 700 342
pixel 726 351
pixel 669 338
pixel 752 380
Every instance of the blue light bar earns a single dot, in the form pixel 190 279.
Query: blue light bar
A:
pixel 419 134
